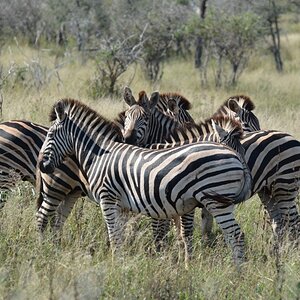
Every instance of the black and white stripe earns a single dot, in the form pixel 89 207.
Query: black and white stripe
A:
pixel 160 184
pixel 20 144
pixel 263 148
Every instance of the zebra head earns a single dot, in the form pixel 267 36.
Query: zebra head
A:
pixel 229 131
pixel 57 144
pixel 242 106
pixel 137 117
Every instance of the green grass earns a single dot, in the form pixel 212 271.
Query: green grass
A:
pixel 82 266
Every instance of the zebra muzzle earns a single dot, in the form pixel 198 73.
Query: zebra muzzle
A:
pixel 130 138
pixel 46 166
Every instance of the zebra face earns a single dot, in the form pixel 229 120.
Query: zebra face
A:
pixel 135 125
pixel 55 148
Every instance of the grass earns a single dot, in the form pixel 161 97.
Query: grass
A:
pixel 82 266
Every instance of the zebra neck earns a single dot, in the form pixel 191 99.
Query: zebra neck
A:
pixel 93 141
pixel 161 127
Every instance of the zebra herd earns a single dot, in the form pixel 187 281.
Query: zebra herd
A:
pixel 153 159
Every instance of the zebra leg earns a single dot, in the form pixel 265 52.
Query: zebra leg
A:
pixel 115 221
pixel 160 230
pixel 287 206
pixel 187 228
pixel 275 216
pixel 62 213
pixel 207 224
pixel 46 210
pixel 3 198
pixel 223 214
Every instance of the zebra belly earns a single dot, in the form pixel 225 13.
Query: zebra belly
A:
pixel 158 207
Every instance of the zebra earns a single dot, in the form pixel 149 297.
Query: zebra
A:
pixel 281 208
pixel 160 184
pixel 18 153
pixel 273 158
pixel 20 144
pixel 47 185
pixel 145 124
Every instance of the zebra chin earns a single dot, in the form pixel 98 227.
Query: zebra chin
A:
pixel 46 166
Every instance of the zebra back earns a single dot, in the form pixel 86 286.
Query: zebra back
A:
pixel 20 143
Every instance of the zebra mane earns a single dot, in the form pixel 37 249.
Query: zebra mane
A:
pixel 120 119
pixel 182 101
pixel 229 124
pixel 67 104
pixel 205 127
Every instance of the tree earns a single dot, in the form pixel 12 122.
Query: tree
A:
pixel 228 38
pixel 112 59
pixel 199 39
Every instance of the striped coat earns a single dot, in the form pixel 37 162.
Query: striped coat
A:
pixel 161 184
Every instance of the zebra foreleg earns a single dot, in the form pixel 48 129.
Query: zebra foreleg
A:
pixel 46 210
pixel 3 198
pixel 62 213
pixel 115 220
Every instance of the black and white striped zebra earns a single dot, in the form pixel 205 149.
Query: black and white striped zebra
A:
pixel 282 209
pixel 18 153
pixel 20 144
pixel 145 124
pixel 161 184
pixel 47 186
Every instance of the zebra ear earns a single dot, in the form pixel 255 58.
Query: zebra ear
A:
pixel 60 111
pixel 233 105
pixel 219 130
pixel 154 99
pixel 172 105
pixel 128 97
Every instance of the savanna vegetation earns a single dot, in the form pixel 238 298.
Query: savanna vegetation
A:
pixel 88 50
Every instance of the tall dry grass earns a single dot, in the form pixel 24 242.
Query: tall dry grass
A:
pixel 82 266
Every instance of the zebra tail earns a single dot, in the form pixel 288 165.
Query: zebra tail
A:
pixel 38 185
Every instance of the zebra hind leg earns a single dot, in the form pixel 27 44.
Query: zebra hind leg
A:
pixel 223 214
pixel 46 211
pixel 283 213
pixel 160 230
pixel 187 228
pixel 206 224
